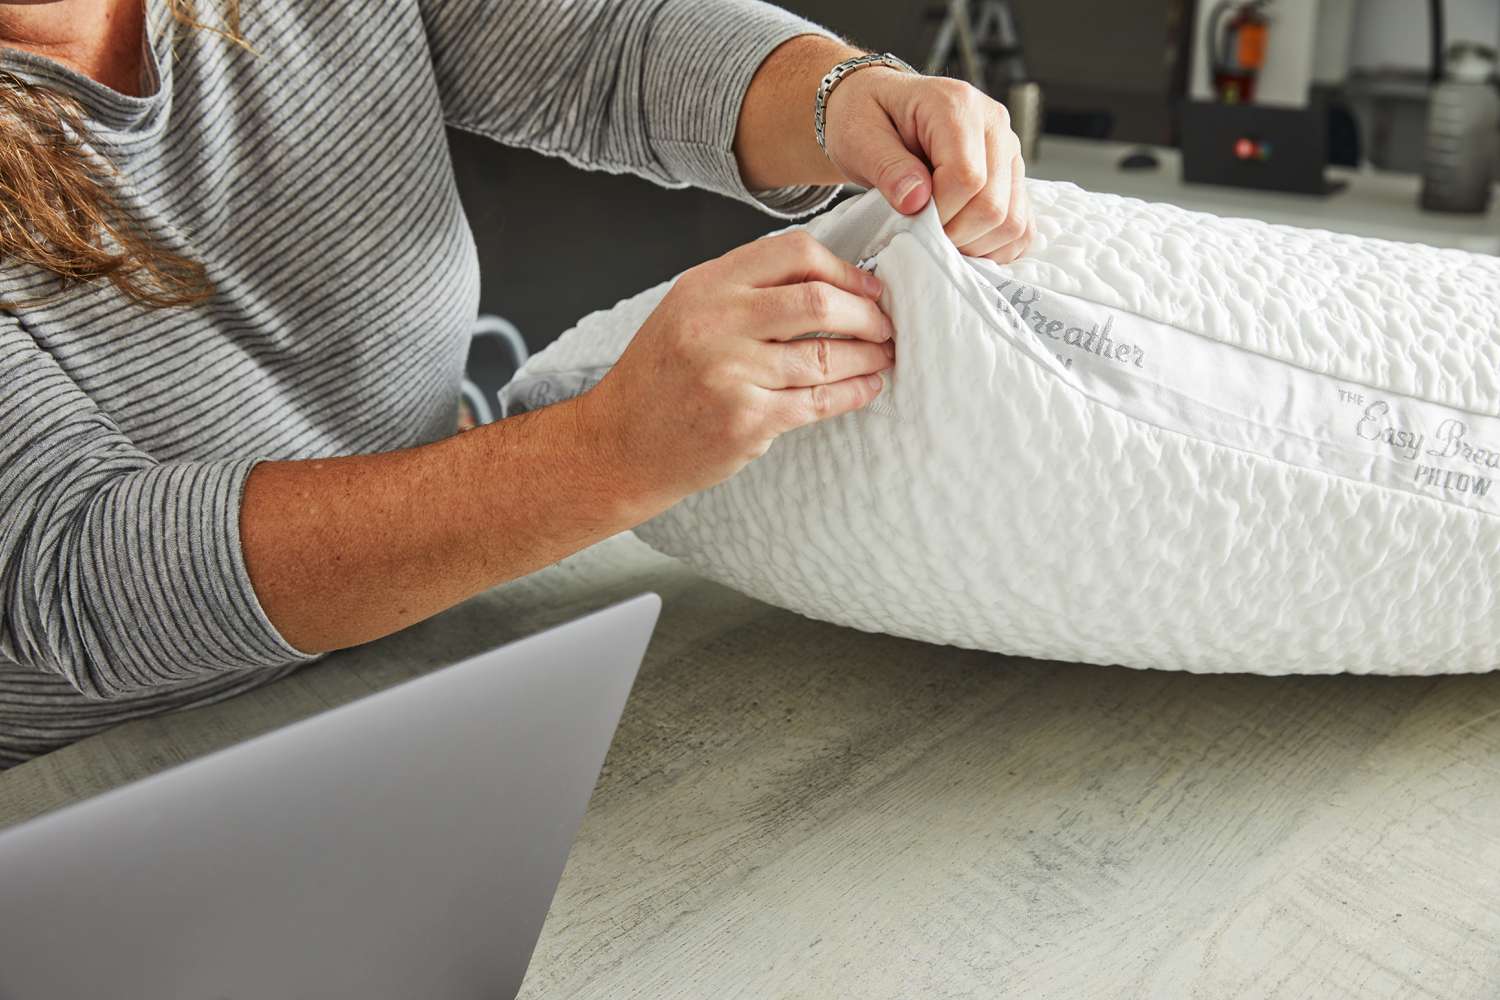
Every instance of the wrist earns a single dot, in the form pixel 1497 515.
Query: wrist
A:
pixel 628 490
pixel 843 107
pixel 848 76
pixel 774 139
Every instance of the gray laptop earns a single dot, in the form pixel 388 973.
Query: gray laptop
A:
pixel 406 845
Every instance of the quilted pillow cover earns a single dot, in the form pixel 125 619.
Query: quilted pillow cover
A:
pixel 1162 439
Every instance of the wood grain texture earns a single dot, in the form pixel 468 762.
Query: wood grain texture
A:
pixel 791 809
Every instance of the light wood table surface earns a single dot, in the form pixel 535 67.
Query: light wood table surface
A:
pixel 792 809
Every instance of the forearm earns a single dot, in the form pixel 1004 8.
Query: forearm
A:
pixel 342 551
pixel 774 141
pixel 652 87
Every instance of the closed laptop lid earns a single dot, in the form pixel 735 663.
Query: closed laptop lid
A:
pixel 405 845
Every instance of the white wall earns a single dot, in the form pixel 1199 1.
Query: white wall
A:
pixel 1312 40
pixel 1393 33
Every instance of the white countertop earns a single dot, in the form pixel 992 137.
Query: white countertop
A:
pixel 1374 204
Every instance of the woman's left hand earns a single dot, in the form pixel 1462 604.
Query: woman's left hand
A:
pixel 884 127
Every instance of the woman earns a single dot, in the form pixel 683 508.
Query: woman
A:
pixel 231 249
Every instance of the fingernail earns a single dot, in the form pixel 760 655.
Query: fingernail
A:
pixel 876 382
pixel 890 348
pixel 905 187
pixel 873 286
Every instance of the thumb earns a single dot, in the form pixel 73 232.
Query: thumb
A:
pixel 900 176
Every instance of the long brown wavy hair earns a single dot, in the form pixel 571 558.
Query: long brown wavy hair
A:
pixel 57 212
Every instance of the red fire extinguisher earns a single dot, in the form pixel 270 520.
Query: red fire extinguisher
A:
pixel 1237 35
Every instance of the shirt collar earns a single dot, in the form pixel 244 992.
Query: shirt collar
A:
pixel 112 118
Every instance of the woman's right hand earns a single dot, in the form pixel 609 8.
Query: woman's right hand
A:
pixel 715 373
pixel 343 550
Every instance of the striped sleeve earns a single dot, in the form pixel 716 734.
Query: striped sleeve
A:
pixel 118 573
pixel 649 87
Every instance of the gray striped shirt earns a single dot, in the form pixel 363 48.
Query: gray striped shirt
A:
pixel 312 179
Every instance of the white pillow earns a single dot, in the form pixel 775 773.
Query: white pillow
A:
pixel 1162 439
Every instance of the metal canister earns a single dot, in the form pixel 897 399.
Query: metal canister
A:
pixel 1024 102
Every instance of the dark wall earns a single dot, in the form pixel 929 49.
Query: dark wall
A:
pixel 556 242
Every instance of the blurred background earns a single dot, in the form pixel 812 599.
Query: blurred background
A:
pixel 1375 117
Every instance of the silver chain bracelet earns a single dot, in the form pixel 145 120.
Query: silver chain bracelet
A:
pixel 843 69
